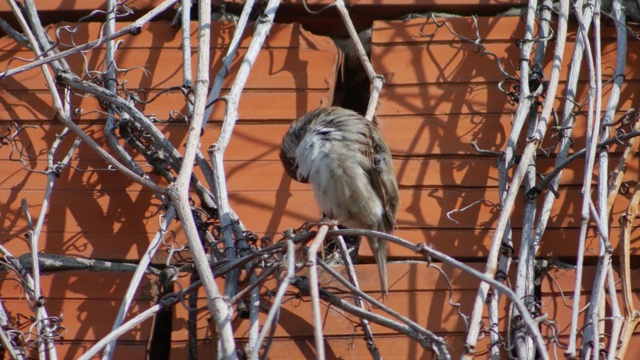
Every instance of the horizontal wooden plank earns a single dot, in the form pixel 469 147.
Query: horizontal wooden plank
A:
pixel 160 34
pixel 107 245
pixel 290 36
pixel 403 277
pixel 160 68
pixel 246 143
pixel 559 309
pixel 73 211
pixel 125 350
pixel 564 280
pixel 473 98
pixel 426 30
pixel 422 30
pixel 425 135
pixel 26 106
pixel 483 172
pixel 95 175
pixel 270 212
pixel 424 208
pixel 85 320
pixel 407 277
pixel 90 174
pixel 407 2
pixel 430 63
pixel 80 285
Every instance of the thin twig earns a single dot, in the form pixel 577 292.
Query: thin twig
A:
pixel 304 286
pixel 353 279
pixel 315 296
pixel 376 80
pixel 4 338
pixel 469 207
pixel 14 34
pixel 170 300
pixel 618 319
pixel 228 58
pixel 110 125
pixel 185 24
pixel 137 277
pixel 290 258
pixel 620 171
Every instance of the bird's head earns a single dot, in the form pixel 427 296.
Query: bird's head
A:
pixel 290 143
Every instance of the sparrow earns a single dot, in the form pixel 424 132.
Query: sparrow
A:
pixel 349 165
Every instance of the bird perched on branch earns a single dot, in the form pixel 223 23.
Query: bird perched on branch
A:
pixel 349 165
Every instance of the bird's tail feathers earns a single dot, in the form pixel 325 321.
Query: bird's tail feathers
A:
pixel 379 248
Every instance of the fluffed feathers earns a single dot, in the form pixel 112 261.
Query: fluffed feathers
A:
pixel 349 166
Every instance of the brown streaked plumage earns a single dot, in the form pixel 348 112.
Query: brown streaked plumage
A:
pixel 349 165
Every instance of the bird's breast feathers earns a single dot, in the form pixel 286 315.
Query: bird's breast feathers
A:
pixel 341 184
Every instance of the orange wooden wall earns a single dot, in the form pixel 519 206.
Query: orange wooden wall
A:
pixel 439 96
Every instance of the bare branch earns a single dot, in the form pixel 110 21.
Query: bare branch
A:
pixel 228 219
pixel 351 272
pixel 137 277
pixel 315 296
pixel 179 191
pixel 228 58
pixel 631 314
pixel 593 130
pixel 290 258
pixel 376 80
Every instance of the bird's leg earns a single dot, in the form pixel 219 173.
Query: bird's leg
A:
pixel 331 223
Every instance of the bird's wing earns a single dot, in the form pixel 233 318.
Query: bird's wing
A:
pixel 385 186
